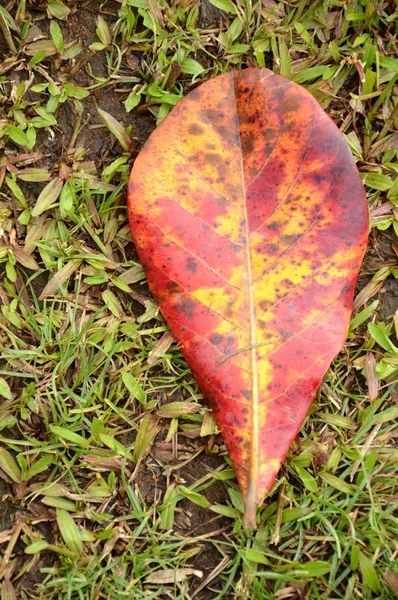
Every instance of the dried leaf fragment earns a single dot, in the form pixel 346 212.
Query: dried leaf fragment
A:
pixel 392 579
pixel 371 374
pixel 172 575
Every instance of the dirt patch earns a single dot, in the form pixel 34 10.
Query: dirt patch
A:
pixel 381 253
pixel 82 28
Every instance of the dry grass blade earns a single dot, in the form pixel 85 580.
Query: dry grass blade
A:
pixel 392 579
pixel 34 234
pixel 178 409
pixel 47 47
pixel 60 278
pixel 371 374
pixel 160 347
pixel 17 528
pixel 216 571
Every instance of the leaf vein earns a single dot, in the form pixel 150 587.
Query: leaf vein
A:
pixel 201 302
pixel 299 170
pixel 193 255
pixel 193 171
pixel 207 341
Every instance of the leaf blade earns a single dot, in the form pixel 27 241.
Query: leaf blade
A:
pixel 116 129
pixel 245 226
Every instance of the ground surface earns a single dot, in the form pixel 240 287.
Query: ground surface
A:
pixel 107 491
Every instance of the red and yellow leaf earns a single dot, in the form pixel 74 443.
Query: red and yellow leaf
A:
pixel 251 222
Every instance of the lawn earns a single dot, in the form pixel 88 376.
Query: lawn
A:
pixel 114 480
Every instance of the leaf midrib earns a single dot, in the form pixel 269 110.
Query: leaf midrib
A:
pixel 254 442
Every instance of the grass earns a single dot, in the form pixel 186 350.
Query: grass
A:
pixel 114 481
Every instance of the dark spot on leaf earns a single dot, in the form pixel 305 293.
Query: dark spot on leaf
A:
pixel 213 115
pixel 284 334
pixel 292 103
pixel 265 305
pixel 191 265
pixel 248 144
pixel 319 178
pixel 216 338
pixel 274 226
pixel 187 305
pixel 173 288
pixel 269 134
pixel 288 238
pixel 213 158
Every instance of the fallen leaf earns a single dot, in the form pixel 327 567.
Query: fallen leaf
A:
pixel 251 222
